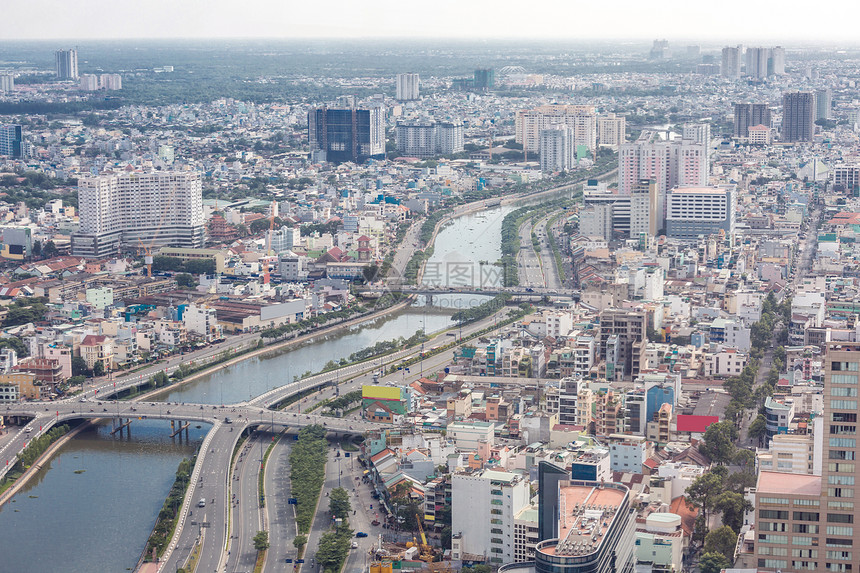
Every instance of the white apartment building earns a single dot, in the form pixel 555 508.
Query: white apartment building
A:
pixel 525 534
pixel 408 86
pixel 557 149
pixel 429 139
pixel 582 119
pixel 846 178
pixel 110 82
pixel 697 133
pixel 138 211
pixel 484 505
pixel 467 435
pixel 203 321
pixel 568 398
pixel 724 363
pixel 7 83
pixel 611 130
pixel 88 82
pixel 558 323
pixel 794 453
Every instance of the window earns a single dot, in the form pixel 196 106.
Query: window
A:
pixel 770 538
pixel 800 540
pixel 831 542
pixel 810 502
pixel 848 505
pixel 844 442
pixel 774 501
pixel 843 379
pixel 841 391
pixel 773 563
pixel 843 404
pixel 773 526
pixel 840 517
pixel 844 555
pixel 840 467
pixel 804 528
pixel 805 516
pixel 772 514
pixel 844 366
pixel 840 480
pixel 840 530
pixel 840 455
pixel 842 429
pixel 840 491
pixel 804 553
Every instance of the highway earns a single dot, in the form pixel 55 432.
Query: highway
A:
pixel 281 516
pixel 528 264
pixel 246 513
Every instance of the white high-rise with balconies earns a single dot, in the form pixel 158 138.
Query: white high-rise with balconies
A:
pixel 138 211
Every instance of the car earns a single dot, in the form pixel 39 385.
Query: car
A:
pixel 361 534
pixel 374 523
pixel 201 503
pixel 355 544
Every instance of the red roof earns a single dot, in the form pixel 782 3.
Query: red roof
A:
pixel 690 423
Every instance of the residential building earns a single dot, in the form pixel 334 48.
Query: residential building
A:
pixel 88 82
pixel 97 348
pixel 484 506
pixel 7 83
pixel 568 393
pixel 557 149
pixel 12 140
pixel 660 543
pixel 644 209
pixel 525 534
pixel 756 63
pixel 408 86
pixel 347 134
pixel 629 326
pixel 137 211
pixel 777 61
pixel 429 139
pixel 66 64
pixel 731 64
pixel 485 79
pixel 203 321
pixel 725 363
pixel 581 119
pixel 794 453
pixel 846 179
pixel 611 130
pixel 747 115
pixel 798 117
pixel 700 211
pixel 592 464
pixel 823 104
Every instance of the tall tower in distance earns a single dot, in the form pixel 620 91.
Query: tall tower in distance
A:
pixel 66 64
pixel 731 66
pixel 798 116
pixel 407 87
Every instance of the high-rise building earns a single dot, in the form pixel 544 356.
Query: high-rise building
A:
pixel 629 326
pixel 407 86
pixel 695 211
pixel 110 82
pixel 668 163
pixel 756 63
pixel 697 133
pixel 731 67
pixel 347 134
pixel 7 83
pixel 611 130
pixel 659 50
pixel 643 209
pixel 846 179
pixel 805 522
pixel 88 82
pixel 484 505
pixel 136 211
pixel 777 58
pixel 557 149
pixel 12 140
pixel 66 64
pixel 798 116
pixel 749 115
pixel 485 79
pixel 429 138
pixel 582 119
pixel 823 103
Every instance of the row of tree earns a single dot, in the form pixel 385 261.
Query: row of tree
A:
pixel 307 473
pixel 483 310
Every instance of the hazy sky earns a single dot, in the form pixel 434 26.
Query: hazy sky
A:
pixel 717 20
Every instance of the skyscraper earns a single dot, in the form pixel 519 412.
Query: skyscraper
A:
pixel 557 150
pixel 485 79
pixel 347 134
pixel 66 64
pixel 757 63
pixel 823 103
pixel 798 116
pixel 11 141
pixel 7 83
pixel 777 56
pixel 134 210
pixel 731 67
pixel 582 119
pixel 407 86
pixel 749 115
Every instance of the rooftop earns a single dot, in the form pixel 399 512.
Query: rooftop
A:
pixel 586 510
pixel 786 483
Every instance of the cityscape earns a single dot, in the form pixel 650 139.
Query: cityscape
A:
pixel 445 305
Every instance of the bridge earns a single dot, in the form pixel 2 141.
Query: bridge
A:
pixel 520 292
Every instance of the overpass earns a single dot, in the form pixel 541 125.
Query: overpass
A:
pixel 432 290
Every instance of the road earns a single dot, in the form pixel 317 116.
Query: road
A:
pixel 528 264
pixel 246 514
pixel 547 257
pixel 281 516
pixel 404 253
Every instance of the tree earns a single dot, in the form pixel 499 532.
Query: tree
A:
pixel 77 380
pixel 15 344
pixel 370 273
pixel 704 490
pixel 49 250
pixel 714 563
pixel 300 541
pixel 79 366
pixel 758 428
pixel 261 541
pixel 98 369
pixel 37 248
pixel 733 506
pixel 719 442
pixel 185 280
pixel 338 503
pixel 722 540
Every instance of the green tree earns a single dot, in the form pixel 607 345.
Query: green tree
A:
pixel 77 380
pixel 300 541
pixel 722 540
pixel 49 250
pixel 733 506
pixel 98 369
pixel 719 442
pixel 261 541
pixel 185 280
pixel 338 503
pixel 79 366
pixel 714 563
pixel 15 344
pixel 370 273
pixel 704 490
pixel 758 428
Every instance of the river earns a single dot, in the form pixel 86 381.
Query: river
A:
pixel 99 520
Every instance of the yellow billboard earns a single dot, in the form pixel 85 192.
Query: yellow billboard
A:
pixel 380 392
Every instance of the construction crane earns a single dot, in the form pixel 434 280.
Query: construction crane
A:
pixel 426 551
pixel 269 243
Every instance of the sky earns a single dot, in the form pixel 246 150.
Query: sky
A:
pixel 832 21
